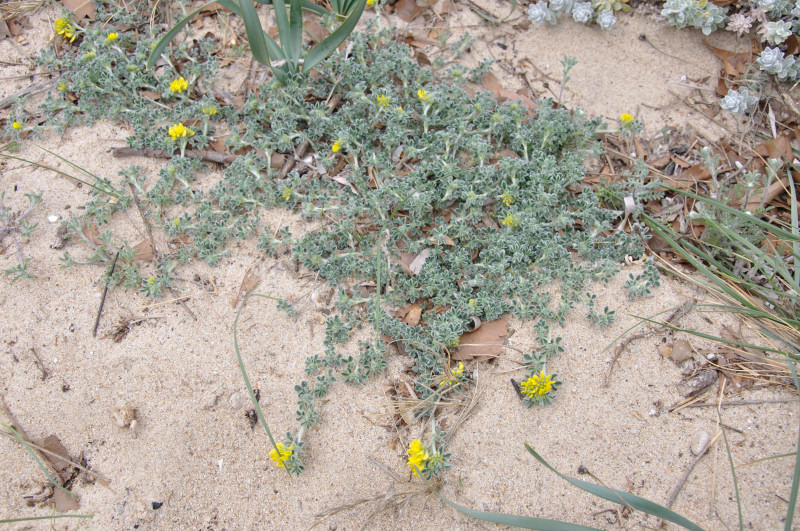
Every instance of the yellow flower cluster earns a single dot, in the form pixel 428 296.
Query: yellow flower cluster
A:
pixel 626 118
pixel 537 385
pixel 179 130
pixel 16 125
pixel 507 198
pixel 458 371
pixel 64 28
pixel 281 454
pixel 383 101
pixel 112 36
pixel 423 95
pixel 417 456
pixel 179 85
pixel 209 110
pixel 286 193
pixel 61 86
pixel 510 220
pixel 336 147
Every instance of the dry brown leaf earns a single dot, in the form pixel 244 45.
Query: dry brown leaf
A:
pixel 81 8
pixel 408 10
pixel 484 343
pixel 777 148
pixel 416 265
pixel 774 190
pixel 317 32
pixel 151 94
pixel 681 351
pixel 734 63
pixel 64 502
pixel 249 282
pixel 143 251
pixel 92 232
pixel 413 315
pixel 53 444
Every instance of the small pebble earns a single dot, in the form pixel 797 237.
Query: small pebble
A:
pixel 700 441
pixel 52 218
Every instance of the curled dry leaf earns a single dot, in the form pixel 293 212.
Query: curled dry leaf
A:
pixel 143 251
pixel 81 8
pixel 249 282
pixel 484 343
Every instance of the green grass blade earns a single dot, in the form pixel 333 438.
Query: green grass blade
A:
pixel 27 447
pixel 255 33
pixel 795 224
pixel 525 522
pixel 110 191
pixel 307 5
pixel 295 44
pixel 618 496
pixel 51 517
pixel 247 383
pixel 332 41
pixel 162 44
pixel 712 337
pixel 796 475
pixel 733 473
pixel 736 212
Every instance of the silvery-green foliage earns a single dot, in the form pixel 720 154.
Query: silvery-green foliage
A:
pixel 678 12
pixel 606 19
pixel 778 31
pixel 775 8
pixel 711 18
pixel 706 17
pixel 738 101
pixel 773 61
pixel 540 13
pixel 582 12
pixel 561 6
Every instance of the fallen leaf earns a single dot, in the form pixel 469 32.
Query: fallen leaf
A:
pixel 413 315
pixel 734 63
pixel 249 282
pixel 64 502
pixel 416 265
pixel 408 10
pixel 777 148
pixel 81 8
pixel 681 351
pixel 143 251
pixel 53 444
pixel 317 32
pixel 92 232
pixel 484 343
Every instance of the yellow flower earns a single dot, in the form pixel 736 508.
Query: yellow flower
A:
pixel 61 86
pixel 336 147
pixel 176 223
pixel 151 282
pixel 383 101
pixel 112 36
pixel 507 198
pixel 179 85
pixel 458 371
pixel 16 125
pixel 281 454
pixel 63 27
pixel 177 131
pixel 423 95
pixel 286 194
pixel 371 2
pixel 537 385
pixel 510 220
pixel 91 55
pixel 209 110
pixel 417 456
pixel 626 118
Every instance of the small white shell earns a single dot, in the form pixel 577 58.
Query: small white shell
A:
pixel 700 442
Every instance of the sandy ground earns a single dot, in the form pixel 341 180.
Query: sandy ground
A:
pixel 192 449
